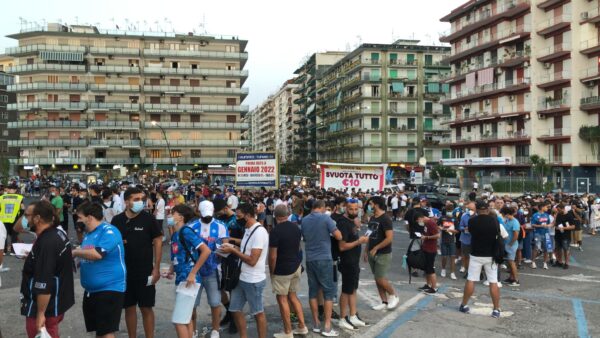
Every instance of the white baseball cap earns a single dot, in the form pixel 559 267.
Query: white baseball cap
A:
pixel 207 208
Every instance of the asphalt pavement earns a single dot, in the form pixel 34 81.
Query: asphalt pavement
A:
pixel 551 303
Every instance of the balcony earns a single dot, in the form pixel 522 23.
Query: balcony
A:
pixel 196 90
pixel 37 87
pixel 590 48
pixel 190 160
pixel 550 4
pixel 558 160
pixel 199 125
pixel 590 104
pixel 195 54
pixel 114 51
pixel 591 16
pixel 114 69
pixel 192 108
pixel 115 125
pixel 554 135
pixel 480 19
pixel 403 63
pixel 35 49
pixel 46 105
pixel 48 143
pixel 478 45
pixel 115 160
pixel 590 75
pixel 554 53
pixel 45 68
pixel 554 25
pixel 479 92
pixel 114 88
pixel 197 143
pixel 45 124
pixel 117 106
pixel 490 115
pixel 492 138
pixel 49 160
pixel 106 143
pixel 196 72
pixel 551 107
pixel 588 160
pixel 556 80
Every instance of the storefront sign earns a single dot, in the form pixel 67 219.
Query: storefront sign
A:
pixel 342 176
pixel 257 170
pixel 476 161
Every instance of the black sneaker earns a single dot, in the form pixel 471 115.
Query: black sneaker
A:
pixel 424 287
pixel 334 315
pixel 430 291
pixel 464 308
pixel 565 266
pixel 507 281
pixel 232 328
pixel 415 274
pixel 514 283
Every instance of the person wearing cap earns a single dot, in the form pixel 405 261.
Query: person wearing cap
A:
pixel 11 208
pixel 213 233
pixel 483 228
pixel 142 239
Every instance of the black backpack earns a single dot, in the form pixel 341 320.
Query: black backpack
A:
pixel 231 267
pixel 499 252
pixel 414 259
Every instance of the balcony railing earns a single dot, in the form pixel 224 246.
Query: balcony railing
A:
pixel 196 90
pixel 190 160
pixel 554 132
pixel 553 49
pixel 553 21
pixel 30 49
pixel 200 125
pixel 114 106
pixel 115 160
pixel 489 136
pixel 197 72
pixel 197 143
pixel 553 159
pixel 46 124
pixel 114 51
pixel 46 105
pixel 110 125
pixel 555 76
pixel 194 107
pixel 105 143
pixel 490 87
pixel 115 69
pixel 114 88
pixel 590 158
pixel 592 15
pixel 546 104
pixel 46 67
pixel 590 72
pixel 49 160
pixel 195 54
pixel 48 143
pixel 492 37
pixel 42 86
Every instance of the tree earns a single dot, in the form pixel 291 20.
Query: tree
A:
pixel 296 167
pixel 541 169
pixel 4 169
pixel 438 171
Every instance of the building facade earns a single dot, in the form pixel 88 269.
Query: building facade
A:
pixel 7 116
pixel 284 106
pixel 308 79
pixel 381 104
pixel 525 81
pixel 263 126
pixel 95 99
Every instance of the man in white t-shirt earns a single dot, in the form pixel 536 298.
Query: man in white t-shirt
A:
pixel 255 247
pixel 395 206
pixel 401 185
pixel 232 200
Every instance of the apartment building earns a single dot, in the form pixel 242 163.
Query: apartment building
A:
pixel 283 104
pixel 308 78
pixel 6 116
pixel 525 81
pixel 93 98
pixel 263 126
pixel 381 104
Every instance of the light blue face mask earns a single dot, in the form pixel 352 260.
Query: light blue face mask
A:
pixel 138 206
pixel 25 223
pixel 170 221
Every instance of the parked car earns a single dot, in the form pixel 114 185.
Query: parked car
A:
pixel 449 189
pixel 424 188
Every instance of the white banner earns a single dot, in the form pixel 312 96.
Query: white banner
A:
pixel 341 176
pixel 476 161
pixel 257 170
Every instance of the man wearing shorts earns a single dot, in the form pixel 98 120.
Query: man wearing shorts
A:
pixel 564 223
pixel 102 272
pixel 448 244
pixel 513 228
pixel 483 229
pixel 540 222
pixel 465 236
pixel 285 269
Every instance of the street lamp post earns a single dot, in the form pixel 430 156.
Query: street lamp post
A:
pixel 155 123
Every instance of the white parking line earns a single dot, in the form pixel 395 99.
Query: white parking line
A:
pixel 392 315
pixel 572 278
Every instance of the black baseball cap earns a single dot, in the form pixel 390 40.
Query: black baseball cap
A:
pixel 219 204
pixel 481 205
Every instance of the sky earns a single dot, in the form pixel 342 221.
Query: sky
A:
pixel 280 34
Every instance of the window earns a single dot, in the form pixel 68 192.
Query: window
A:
pixel 393 73
pixel 5 132
pixel 411 123
pixel 175 118
pixel 155 99
pixel 134 63
pixel 194 118
pixel 194 66
pixel 134 117
pixel 174 82
pixel 52 78
pixel 74 98
pixel 134 99
pixel 155 82
pixel 393 58
pixel 374 57
pixel 134 81
pixel 375 75
pixel 134 154
pixel 445 153
pixel 176 153
pixel 194 100
pixel 155 117
pixel 428 124
pixel 155 153
pixel 99 80
pixel 411 74
pixel 230 49
pixel 411 107
pixel 99 99
pixel 374 91
pixel 393 123
pixel 75 153
pixel 393 107
pixel 29 61
pixel 375 123
pixel 410 59
pixel 174 64
pixel 231 119
pixel 411 155
pixel 230 153
pixel 75 79
pixel 175 99
pixel 375 107
pixel 231 101
pixel 195 83
pixel 231 84
pixel 196 153
pixel 428 60
pixel 428 107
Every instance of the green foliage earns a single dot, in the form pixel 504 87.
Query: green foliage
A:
pixel 4 169
pixel 295 167
pixel 439 171
pixel 591 134
pixel 521 186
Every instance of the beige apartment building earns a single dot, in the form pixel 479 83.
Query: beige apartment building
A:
pixel 524 81
pixel 92 99
pixel 381 103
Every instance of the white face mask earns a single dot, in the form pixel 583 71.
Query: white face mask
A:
pixel 471 212
pixel 328 213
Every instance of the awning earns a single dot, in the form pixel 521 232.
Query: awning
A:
pixel 61 56
pixel 397 87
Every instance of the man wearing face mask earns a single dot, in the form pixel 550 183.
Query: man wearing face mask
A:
pixel 142 239
pixel 57 202
pixel 213 233
pixel 465 236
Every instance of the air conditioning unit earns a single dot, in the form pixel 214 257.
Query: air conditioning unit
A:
pixel 584 15
pixel 541 117
pixel 590 84
pixel 110 57
pixel 547 65
pixel 511 98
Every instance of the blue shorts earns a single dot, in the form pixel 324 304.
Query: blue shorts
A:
pixel 511 251
pixel 540 242
pixel 448 249
pixel 210 284
pixel 320 276
pixel 248 292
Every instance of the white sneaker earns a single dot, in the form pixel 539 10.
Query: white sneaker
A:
pixel 453 276
pixel 499 284
pixel 462 269
pixel 545 266
pixel 443 273
pixel 503 266
pixel 279 335
pixel 379 307
pixel 195 334
pixel 392 302
pixel 215 334
pixel 527 261
pixel 486 283
pixel 354 320
pixel 344 323
pixel 533 265
pixel 3 269
pixel 330 333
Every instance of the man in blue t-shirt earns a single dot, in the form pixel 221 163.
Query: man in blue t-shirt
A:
pixel 103 271
pixel 465 236
pixel 540 221
pixel 213 233
pixel 512 227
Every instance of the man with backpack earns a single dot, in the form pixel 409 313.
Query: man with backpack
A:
pixel 108 206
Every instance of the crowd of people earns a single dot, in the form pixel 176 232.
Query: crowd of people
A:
pixel 227 243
